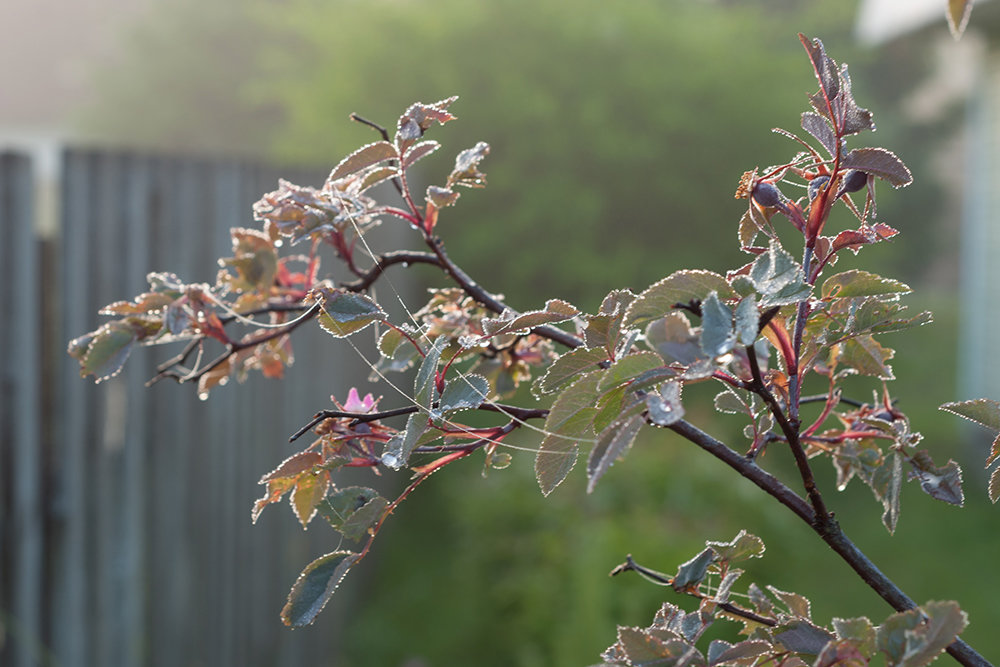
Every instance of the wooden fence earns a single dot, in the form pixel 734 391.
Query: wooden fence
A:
pixel 125 534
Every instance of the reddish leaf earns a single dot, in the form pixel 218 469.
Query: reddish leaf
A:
pixel 958 16
pixel 366 156
pixel 293 465
pixel 881 162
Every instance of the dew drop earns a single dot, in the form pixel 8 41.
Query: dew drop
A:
pixel 203 396
pixel 391 460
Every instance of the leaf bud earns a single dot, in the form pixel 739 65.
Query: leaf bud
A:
pixel 854 180
pixel 767 194
pixel 817 184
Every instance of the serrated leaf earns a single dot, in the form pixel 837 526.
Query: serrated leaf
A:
pixel 644 647
pixel 742 547
pixel 340 504
pixel 746 320
pixel 866 356
pixel 418 151
pixel 675 340
pixel 824 67
pixel 344 313
pixel 357 524
pixel 628 368
pixel 366 156
pixel 315 586
pixel 107 350
pixel 679 287
pixel 568 366
pixel 555 311
pixel 859 631
pixel 994 489
pixel 665 408
pixel 308 492
pixel 425 381
pixel 983 411
pixel 944 483
pixel 778 277
pixel 293 466
pixel 958 16
pixel 690 574
pixel 881 162
pixel 876 316
pixel 612 444
pixel 722 652
pixel 803 637
pixel 717 335
pixel 820 129
pixel 796 604
pixel 893 482
pixel 916 637
pixel 400 446
pixel 729 402
pixel 856 283
pixel 375 176
pixel 569 419
pixel 463 393
pixel 841 653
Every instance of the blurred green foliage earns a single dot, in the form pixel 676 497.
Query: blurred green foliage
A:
pixel 618 133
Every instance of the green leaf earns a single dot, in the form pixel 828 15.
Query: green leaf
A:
pixel 340 504
pixel 857 283
pixel 107 350
pixel 866 356
pixel 568 366
pixel 356 525
pixel 778 277
pixel 876 316
pixel 796 604
pixel 690 574
pixel 612 444
pixel 675 340
pixel 366 156
pixel 555 311
pixel 742 547
pixel 914 638
pixel 344 313
pixel 859 631
pixel 717 335
pixel 944 484
pixel 628 368
pixel 315 586
pixel 665 408
pixel 729 402
pixel 746 321
pixel 958 16
pixel 463 393
pixel 425 382
pixel 994 489
pixel 803 637
pixel 721 652
pixel 983 411
pixel 680 287
pixel 569 420
pixel 400 446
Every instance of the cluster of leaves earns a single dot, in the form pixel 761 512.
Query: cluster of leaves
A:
pixel 762 332
pixel 777 625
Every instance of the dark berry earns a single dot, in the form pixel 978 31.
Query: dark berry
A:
pixel 855 180
pixel 817 184
pixel 767 195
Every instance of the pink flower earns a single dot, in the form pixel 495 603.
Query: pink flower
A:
pixel 356 404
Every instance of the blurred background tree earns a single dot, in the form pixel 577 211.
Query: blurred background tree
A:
pixel 602 117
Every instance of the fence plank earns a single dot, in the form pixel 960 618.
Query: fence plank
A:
pixel 23 311
pixel 146 554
